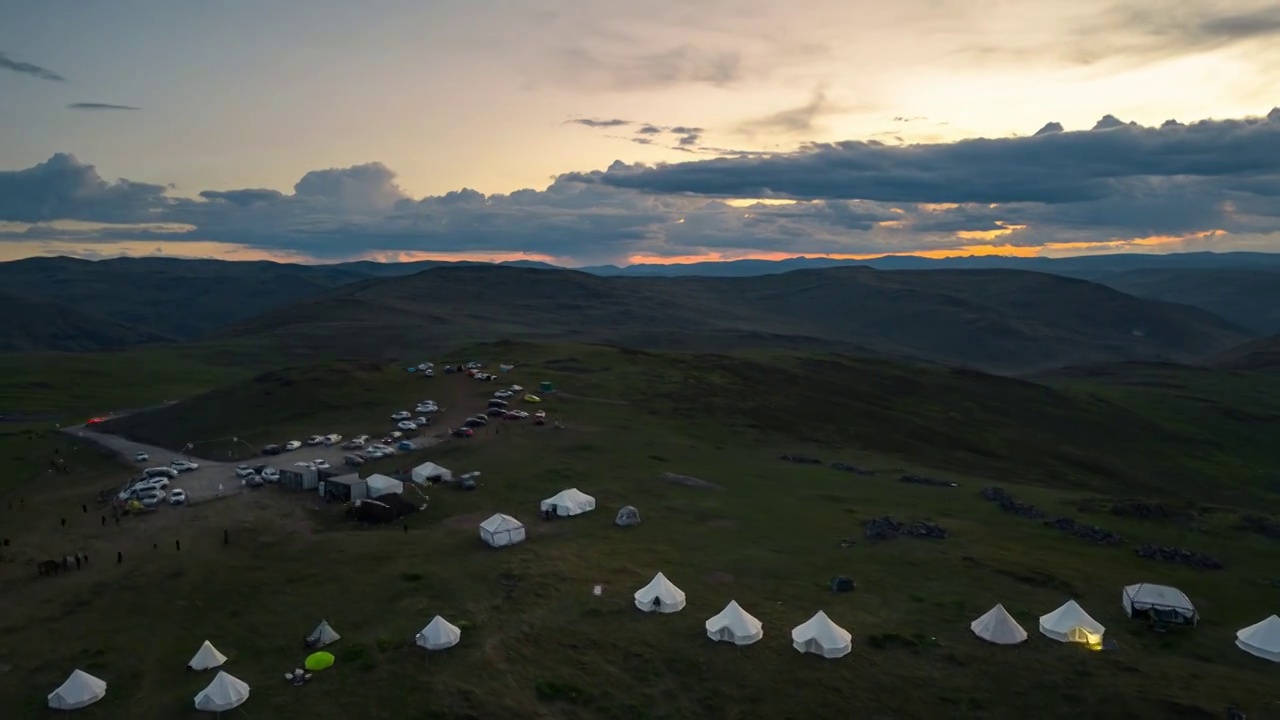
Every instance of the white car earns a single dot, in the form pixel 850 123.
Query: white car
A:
pixel 406 425
pixel 141 457
pixel 154 482
pixel 178 497
pixel 243 471
pixel 373 454
pixel 184 465
pixel 402 415
pixel 502 394
pixel 420 421
pixel 333 439
pixel 321 464
pixel 517 388
pixel 292 445
pixel 428 373
pixel 426 409
pixel 382 448
pixel 271 475
pixel 396 434
pixel 151 498
pixel 315 439
pixel 362 439
pixel 304 464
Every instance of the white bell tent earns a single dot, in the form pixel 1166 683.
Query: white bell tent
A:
pixel 439 634
pixel 501 530
pixel 1261 639
pixel 735 625
pixel 660 596
pixel 568 502
pixel 324 634
pixel 226 692
pixel 998 626
pixel 80 690
pixel 820 636
pixel 1070 623
pixel 207 657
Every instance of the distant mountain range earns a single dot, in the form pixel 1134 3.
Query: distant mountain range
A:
pixel 981 311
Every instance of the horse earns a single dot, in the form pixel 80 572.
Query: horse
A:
pixel 48 567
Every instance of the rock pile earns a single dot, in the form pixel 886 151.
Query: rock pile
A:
pixel 887 528
pixel 1262 525
pixel 922 480
pixel 1007 503
pixel 800 459
pixel 1135 509
pixel 845 467
pixel 1092 533
pixel 1178 555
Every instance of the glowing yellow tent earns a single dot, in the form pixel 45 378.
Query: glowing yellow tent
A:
pixel 319 661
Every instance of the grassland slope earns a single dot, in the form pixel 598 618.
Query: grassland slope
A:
pixel 990 319
pixel 1248 297
pixel 31 325
pixel 1262 355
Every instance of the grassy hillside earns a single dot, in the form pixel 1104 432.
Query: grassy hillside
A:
pixel 1248 297
pixel 991 319
pixel 538 643
pixel 183 299
pixel 28 325
pixel 1261 355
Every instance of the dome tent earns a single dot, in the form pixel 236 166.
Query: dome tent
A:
pixel 627 516
pixel 79 690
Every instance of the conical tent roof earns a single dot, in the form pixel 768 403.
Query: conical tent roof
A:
pixel 735 625
pixel 439 634
pixel 224 693
pixel 1070 623
pixel 79 690
pixel 660 595
pixel 998 626
pixel 207 657
pixel 324 634
pixel 1261 639
pixel 820 636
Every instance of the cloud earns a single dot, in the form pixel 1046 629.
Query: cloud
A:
pixel 1212 184
pixel 796 120
pixel 614 71
pixel 598 123
pixel 26 68
pixel 99 106
pixel 686 138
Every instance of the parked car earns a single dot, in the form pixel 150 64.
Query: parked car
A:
pixel 354 460
pixel 517 414
pixel 271 475
pixel 305 464
pixel 428 373
pixel 477 421
pixel 463 432
pixel 404 446
pixel 178 497
pixel 495 412
pixel 141 457
pixel 292 445
pixel 253 481
pixel 401 415
pixel 406 425
pixel 421 421
pixel 271 450
pixel 321 464
pixel 468 481
pixel 333 439
pixel 150 498
pixel 184 465
pixel 243 471
pixel 315 439
pixel 503 394
pixel 160 472
pixel 497 403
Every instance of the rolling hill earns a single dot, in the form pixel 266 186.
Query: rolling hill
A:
pixel 998 320
pixel 1248 297
pixel 35 325
pixel 1261 355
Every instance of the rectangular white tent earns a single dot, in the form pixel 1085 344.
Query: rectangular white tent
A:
pixel 501 530
pixel 430 472
pixel 568 502
pixel 1163 602
pixel 379 484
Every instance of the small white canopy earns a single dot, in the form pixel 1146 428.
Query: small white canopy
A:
pixel 1260 639
pixel 1070 623
pixel 379 484
pixel 324 634
pixel 224 693
pixel 569 502
pixel 501 530
pixel 820 636
pixel 998 626
pixel 430 471
pixel 1147 596
pixel 660 596
pixel 735 625
pixel 439 634
pixel 80 690
pixel 207 657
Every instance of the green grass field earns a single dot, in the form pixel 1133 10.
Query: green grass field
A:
pixel 537 643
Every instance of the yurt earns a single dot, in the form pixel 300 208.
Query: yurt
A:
pixel 1261 639
pixel 820 636
pixel 660 596
pixel 998 626
pixel 734 625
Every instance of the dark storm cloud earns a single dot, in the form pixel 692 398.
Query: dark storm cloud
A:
pixel 26 68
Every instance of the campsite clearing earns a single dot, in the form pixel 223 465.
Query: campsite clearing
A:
pixel 534 636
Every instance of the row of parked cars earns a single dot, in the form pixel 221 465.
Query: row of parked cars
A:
pixel 151 490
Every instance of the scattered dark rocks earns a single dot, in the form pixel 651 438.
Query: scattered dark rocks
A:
pixel 922 480
pixel 1007 503
pixel 1093 533
pixel 1262 525
pixel 800 459
pixel 1136 509
pixel 887 528
pixel 845 467
pixel 1178 555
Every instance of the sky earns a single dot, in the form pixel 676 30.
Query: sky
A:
pixel 622 132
